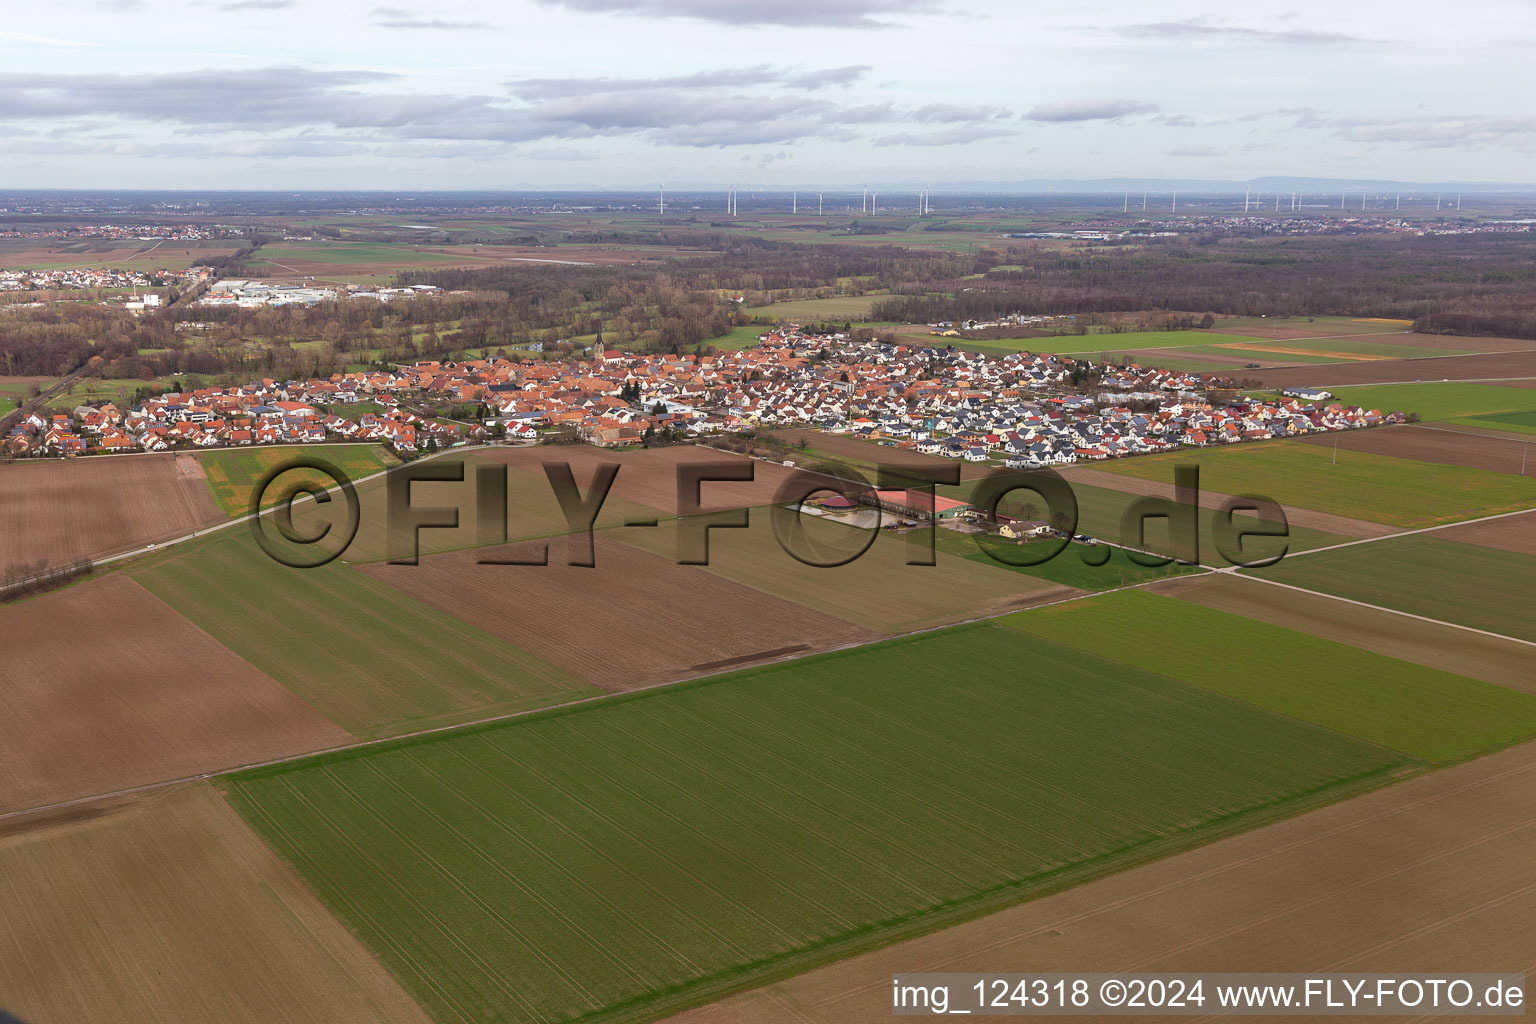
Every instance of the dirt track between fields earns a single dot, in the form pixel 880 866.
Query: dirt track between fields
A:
pixel 1434 872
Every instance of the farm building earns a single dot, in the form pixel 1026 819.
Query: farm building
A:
pixel 916 504
pixel 1025 529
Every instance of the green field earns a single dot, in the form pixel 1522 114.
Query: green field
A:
pixel 1520 422
pixel 1070 568
pixel 1468 584
pixel 234 473
pixel 843 307
pixel 738 338
pixel 1422 712
pixel 1361 485
pixel 343 253
pixel 369 657
pixel 619 860
pixel 1441 400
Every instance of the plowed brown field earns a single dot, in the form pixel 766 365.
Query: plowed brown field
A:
pixel 1432 872
pixel 1431 444
pixel 165 908
pixel 633 619
pixel 1512 533
pixel 107 687
pixel 1391 371
pixel 61 510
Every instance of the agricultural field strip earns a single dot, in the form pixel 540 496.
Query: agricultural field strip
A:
pixel 1478 433
pixel 506 716
pixel 1224 343
pixel 790 657
pixel 1394 536
pixel 970 953
pixel 1367 604
pixel 298 500
pixel 1456 380
pixel 779 744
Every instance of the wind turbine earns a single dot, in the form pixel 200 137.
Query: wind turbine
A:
pixel 1277 202
pixel 1125 207
pixel 1175 200
pixel 864 202
pixel 818 204
pixel 663 211
pixel 1399 201
pixel 1245 199
pixel 1143 200
pixel 795 200
pixel 1437 202
pixel 873 196
pixel 1458 202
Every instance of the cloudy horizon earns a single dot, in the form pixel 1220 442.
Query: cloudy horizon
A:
pixel 618 93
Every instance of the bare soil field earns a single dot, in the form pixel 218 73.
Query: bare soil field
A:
pixel 61 510
pixel 633 619
pixel 532 509
pixel 149 697
pixel 1432 871
pixel 1325 521
pixel 1495 365
pixel 878 589
pixel 102 253
pixel 1387 336
pixel 1444 647
pixel 1431 444
pixel 1513 533
pixel 166 908
pixel 649 476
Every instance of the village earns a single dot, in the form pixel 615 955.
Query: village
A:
pixel 1020 410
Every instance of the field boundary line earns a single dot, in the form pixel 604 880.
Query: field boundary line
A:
pixel 1394 536
pixel 1376 607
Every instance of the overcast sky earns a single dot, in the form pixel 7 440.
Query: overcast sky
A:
pixel 817 93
